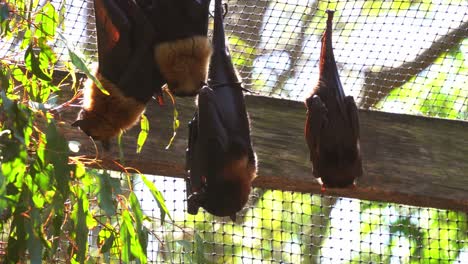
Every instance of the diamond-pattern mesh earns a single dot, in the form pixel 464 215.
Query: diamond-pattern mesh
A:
pixel 396 56
pixel 290 227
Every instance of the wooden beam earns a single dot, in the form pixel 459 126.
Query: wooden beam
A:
pixel 407 159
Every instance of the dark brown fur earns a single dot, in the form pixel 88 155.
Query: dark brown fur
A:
pixel 332 125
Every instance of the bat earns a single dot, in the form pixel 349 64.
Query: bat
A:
pixel 182 49
pixel 332 124
pixel 143 45
pixel 221 162
pixel 126 70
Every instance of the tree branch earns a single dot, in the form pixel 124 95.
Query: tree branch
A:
pixel 377 85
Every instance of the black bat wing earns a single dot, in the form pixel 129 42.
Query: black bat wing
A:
pixel 220 151
pixel 113 38
pixel 125 39
pixel 177 19
pixel 316 120
pixel 332 124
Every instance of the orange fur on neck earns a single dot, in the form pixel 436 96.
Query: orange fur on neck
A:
pixel 184 63
pixel 106 116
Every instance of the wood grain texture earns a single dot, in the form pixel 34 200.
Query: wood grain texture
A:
pixel 407 159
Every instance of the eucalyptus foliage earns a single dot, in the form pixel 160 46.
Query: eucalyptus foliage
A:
pixel 49 202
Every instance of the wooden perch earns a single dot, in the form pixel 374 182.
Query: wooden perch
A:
pixel 407 159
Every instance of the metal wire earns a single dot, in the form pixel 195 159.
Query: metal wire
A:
pixel 396 56
pixel 290 227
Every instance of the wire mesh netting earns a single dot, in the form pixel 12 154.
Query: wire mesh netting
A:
pixel 397 56
pixel 291 227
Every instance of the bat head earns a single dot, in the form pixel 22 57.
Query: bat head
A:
pixel 228 186
pixel 94 127
pixel 339 168
pixel 106 116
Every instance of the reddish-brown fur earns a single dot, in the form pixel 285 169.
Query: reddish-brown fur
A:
pixel 184 63
pixel 232 193
pixel 106 116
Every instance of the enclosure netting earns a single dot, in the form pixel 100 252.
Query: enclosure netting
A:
pixel 395 56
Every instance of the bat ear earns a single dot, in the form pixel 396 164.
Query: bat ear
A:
pixel 233 217
pixel 83 124
pixel 194 202
pixel 78 123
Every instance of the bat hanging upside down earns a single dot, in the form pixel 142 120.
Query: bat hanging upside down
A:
pixel 220 158
pixel 140 51
pixel 332 125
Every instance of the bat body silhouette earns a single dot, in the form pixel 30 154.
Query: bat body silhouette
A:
pixel 332 125
pixel 220 159
pixel 128 69
pixel 182 50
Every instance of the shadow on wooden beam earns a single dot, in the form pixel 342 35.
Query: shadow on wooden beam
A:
pixel 407 159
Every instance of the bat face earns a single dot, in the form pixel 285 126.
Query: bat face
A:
pixel 126 70
pixel 105 116
pixel 332 124
pixel 220 158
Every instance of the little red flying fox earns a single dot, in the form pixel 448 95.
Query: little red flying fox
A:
pixel 128 39
pixel 332 125
pixel 182 50
pixel 221 162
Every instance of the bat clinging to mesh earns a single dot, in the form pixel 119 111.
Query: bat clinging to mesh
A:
pixel 126 70
pixel 182 50
pixel 220 159
pixel 332 125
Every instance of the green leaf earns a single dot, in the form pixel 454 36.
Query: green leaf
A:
pixel 136 208
pixel 46 21
pixel 199 249
pixel 105 195
pixel 144 124
pixel 125 237
pixel 129 240
pixel 158 197
pixel 108 244
pixel 57 155
pixel 32 63
pixel 81 65
pixel 34 242
pixel 81 228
